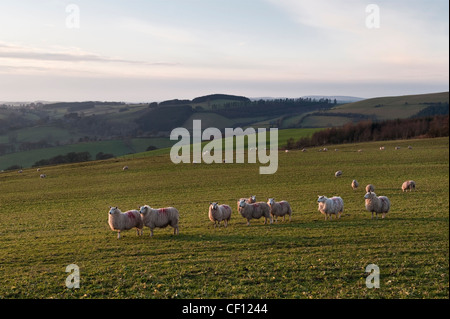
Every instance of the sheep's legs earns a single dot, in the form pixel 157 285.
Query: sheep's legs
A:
pixel 118 234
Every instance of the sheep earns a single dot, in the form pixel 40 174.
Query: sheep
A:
pixel 338 173
pixel 370 188
pixel 255 211
pixel 397 147
pixel 355 184
pixel 125 168
pixel 408 185
pixel 409 147
pixel 42 176
pixel 251 200
pixel 119 221
pixel 330 206
pixel 217 213
pixel 160 218
pixel 382 148
pixel 377 204
pixel 282 208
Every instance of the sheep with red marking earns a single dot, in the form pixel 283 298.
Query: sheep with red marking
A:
pixel 281 209
pixel 377 204
pixel 331 206
pixel 250 200
pixel 119 221
pixel 218 213
pixel 160 218
pixel 255 211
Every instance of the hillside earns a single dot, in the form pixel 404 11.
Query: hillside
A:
pixel 50 223
pixel 29 130
pixel 381 108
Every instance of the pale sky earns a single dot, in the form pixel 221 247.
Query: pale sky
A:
pixel 154 50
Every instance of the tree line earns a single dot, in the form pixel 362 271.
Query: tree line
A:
pixel 367 131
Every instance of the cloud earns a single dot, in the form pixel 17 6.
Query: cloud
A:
pixel 27 53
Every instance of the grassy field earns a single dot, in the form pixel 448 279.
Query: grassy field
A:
pixel 47 224
pixel 382 108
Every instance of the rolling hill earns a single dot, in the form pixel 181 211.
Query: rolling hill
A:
pixel 28 131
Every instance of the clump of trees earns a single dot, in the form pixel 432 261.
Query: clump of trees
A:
pixel 366 131
pixel 72 157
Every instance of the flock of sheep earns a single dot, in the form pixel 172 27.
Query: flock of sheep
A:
pixel 247 207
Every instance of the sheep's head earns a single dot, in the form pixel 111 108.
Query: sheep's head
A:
pixel 242 203
pixel 253 199
pixel 271 201
pixel 370 195
pixel 322 199
pixel 214 205
pixel 144 209
pixel 113 210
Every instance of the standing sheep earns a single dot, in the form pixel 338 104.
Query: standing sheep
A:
pixel 119 221
pixel 409 185
pixel 160 218
pixel 250 200
pixel 330 206
pixel 377 204
pixel 338 173
pixel 217 213
pixel 255 211
pixel 370 188
pixel 282 208
pixel 355 184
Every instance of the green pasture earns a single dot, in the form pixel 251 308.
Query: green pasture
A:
pixel 49 223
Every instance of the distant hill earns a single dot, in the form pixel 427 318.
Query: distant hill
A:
pixel 380 108
pixel 340 99
pixel 73 126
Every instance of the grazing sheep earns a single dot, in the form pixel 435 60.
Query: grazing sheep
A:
pixel 125 168
pixel 124 221
pixel 250 200
pixel 377 204
pixel 410 147
pixel 397 147
pixel 304 150
pixel 382 148
pixel 338 173
pixel 355 184
pixel 217 213
pixel 42 176
pixel 282 208
pixel 409 185
pixel 330 206
pixel 160 218
pixel 255 211
pixel 370 188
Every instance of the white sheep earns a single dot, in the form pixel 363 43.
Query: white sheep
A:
pixel 409 185
pixel 370 188
pixel 338 173
pixel 217 213
pixel 281 208
pixel 255 211
pixel 119 221
pixel 160 218
pixel 331 206
pixel 382 148
pixel 377 204
pixel 42 176
pixel 125 168
pixel 355 184
pixel 250 200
